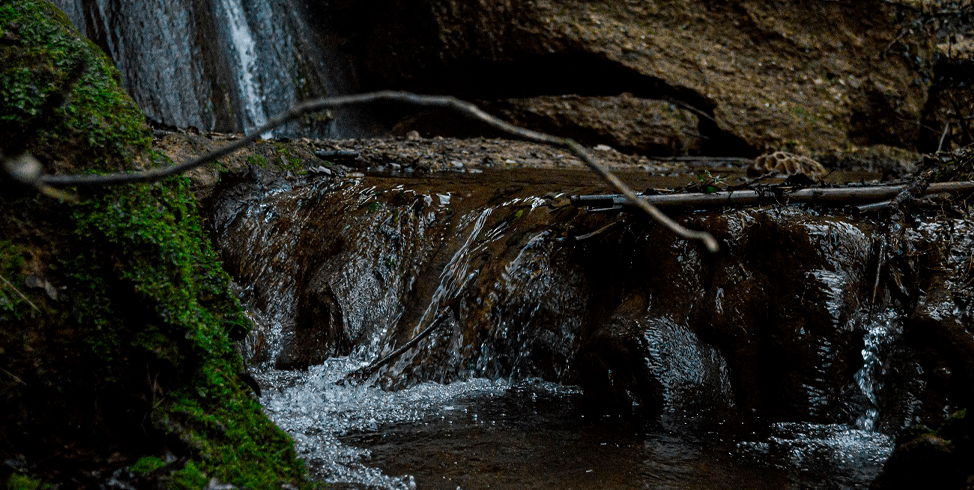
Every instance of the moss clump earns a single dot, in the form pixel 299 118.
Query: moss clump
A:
pixel 98 126
pixel 926 458
pixel 188 478
pixel 122 350
pixel 147 464
pixel 21 482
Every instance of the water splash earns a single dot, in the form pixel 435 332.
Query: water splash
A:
pixel 880 335
pixel 842 455
pixel 315 410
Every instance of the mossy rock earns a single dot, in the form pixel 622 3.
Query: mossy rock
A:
pixel 924 458
pixel 115 316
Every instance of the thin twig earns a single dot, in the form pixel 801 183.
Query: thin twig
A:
pixel 943 136
pixel 19 293
pixel 372 368
pixel 588 236
pixel 12 375
pixel 880 258
pixel 451 103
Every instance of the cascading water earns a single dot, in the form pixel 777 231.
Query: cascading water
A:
pixel 224 65
pixel 880 335
pixel 395 252
pixel 244 48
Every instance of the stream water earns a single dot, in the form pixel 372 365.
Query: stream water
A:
pixel 533 434
pixel 373 259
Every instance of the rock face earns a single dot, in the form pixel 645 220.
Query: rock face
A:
pixel 822 75
pixel 624 122
pixel 702 77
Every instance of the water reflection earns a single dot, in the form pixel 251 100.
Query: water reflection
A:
pixel 538 435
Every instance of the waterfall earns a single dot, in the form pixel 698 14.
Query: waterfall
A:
pixel 456 274
pixel 224 65
pixel 244 49
pixel 877 339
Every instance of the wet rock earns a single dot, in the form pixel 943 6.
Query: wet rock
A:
pixel 626 122
pixel 805 314
pixel 318 333
pixel 774 324
pixel 785 308
pixel 941 459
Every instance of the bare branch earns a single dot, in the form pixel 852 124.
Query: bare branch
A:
pixel 450 103
pixel 8 373
pixel 14 288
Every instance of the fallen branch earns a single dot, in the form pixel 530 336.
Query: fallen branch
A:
pixel 827 196
pixel 451 103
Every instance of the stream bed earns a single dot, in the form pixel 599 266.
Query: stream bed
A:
pixel 533 434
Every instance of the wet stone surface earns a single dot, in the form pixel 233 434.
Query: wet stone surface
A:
pixel 818 325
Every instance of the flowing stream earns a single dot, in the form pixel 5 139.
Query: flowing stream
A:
pixel 538 435
pixel 555 368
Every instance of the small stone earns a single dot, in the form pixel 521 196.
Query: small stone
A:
pixel 35 281
pixel 24 168
pixel 413 136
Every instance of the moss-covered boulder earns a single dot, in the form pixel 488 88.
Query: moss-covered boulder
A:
pixel 924 458
pixel 116 321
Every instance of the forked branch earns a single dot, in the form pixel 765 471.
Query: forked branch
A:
pixel 450 103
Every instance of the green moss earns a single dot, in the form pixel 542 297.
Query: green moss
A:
pixel 21 482
pixel 11 279
pixel 147 464
pixel 188 478
pixel 133 355
pixel 257 160
pixel 287 160
pixel 99 127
